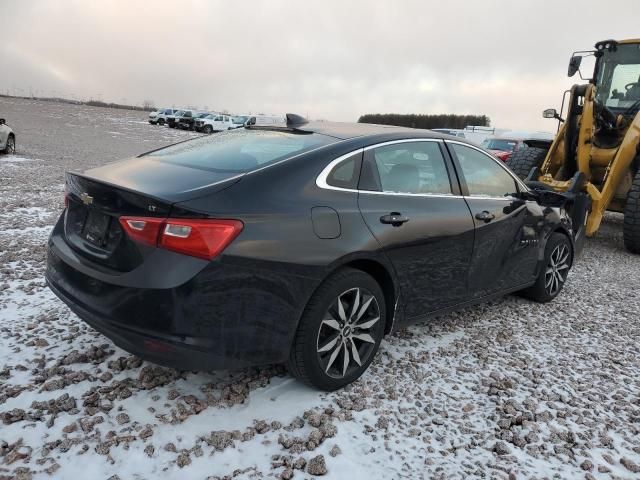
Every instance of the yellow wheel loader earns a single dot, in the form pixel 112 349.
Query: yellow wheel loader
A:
pixel 594 159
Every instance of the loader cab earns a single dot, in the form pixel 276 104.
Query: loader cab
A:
pixel 617 77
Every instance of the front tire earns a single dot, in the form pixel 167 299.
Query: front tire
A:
pixel 208 129
pixel 522 161
pixel 339 332
pixel 631 227
pixel 161 122
pixel 558 257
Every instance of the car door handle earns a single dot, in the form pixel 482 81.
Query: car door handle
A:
pixel 394 218
pixel 485 216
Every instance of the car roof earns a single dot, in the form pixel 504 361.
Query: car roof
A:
pixel 345 130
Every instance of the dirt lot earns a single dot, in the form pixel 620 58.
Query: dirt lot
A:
pixel 509 389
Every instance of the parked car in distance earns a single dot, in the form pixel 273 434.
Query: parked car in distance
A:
pixel 7 138
pixel 477 133
pixel 266 120
pixel 455 132
pixel 304 244
pixel 502 148
pixel 159 117
pixel 504 145
pixel 187 120
pixel 239 120
pixel 172 120
pixel 214 122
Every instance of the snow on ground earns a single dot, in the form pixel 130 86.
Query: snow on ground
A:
pixel 509 389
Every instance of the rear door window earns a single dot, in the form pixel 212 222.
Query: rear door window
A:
pixel 408 167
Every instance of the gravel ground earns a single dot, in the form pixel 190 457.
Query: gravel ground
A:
pixel 509 389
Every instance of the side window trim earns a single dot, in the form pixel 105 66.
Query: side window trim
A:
pixel 455 183
pixel 463 185
pixel 321 179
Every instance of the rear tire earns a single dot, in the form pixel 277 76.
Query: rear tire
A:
pixel 339 332
pixel 632 217
pixel 10 147
pixel 558 260
pixel 522 161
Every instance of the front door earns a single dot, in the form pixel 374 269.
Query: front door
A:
pixel 508 228
pixel 414 210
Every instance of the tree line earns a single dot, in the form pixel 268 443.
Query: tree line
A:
pixel 425 121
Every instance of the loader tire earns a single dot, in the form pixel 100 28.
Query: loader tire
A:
pixel 631 227
pixel 522 161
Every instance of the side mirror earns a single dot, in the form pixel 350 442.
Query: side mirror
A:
pixel 552 113
pixel 2 121
pixel 574 65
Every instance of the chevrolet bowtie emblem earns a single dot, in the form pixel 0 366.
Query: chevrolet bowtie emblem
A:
pixel 86 198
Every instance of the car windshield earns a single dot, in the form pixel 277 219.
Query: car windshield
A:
pixel 618 79
pixel 178 113
pixel 203 115
pixel 499 144
pixel 240 150
pixel 239 119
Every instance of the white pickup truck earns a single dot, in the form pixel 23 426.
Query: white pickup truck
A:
pixel 7 138
pixel 215 122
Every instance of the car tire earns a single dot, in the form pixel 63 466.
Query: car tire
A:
pixel 631 228
pixel 10 147
pixel 340 331
pixel 558 260
pixel 208 129
pixel 161 122
pixel 522 161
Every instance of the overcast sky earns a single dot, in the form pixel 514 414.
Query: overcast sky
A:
pixel 327 59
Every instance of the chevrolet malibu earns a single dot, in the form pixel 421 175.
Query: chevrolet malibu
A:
pixel 304 243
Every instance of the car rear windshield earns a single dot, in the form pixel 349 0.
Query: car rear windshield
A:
pixel 496 144
pixel 240 150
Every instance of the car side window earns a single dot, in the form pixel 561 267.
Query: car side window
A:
pixel 345 174
pixel 410 167
pixel 482 174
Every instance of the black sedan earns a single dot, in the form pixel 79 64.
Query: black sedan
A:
pixel 303 244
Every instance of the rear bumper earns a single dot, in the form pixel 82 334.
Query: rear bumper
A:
pixel 183 353
pixel 231 314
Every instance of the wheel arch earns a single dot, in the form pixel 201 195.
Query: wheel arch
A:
pixel 563 230
pixel 384 276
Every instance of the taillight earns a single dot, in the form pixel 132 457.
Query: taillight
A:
pixel 143 229
pixel 202 238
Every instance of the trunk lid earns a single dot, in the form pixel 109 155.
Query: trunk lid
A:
pixel 136 187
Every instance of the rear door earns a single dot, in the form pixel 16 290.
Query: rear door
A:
pixel 508 229
pixel 416 213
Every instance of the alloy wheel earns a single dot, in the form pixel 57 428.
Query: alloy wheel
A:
pixel 11 145
pixel 349 332
pixel 557 269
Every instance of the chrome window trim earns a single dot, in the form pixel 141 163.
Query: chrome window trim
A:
pixel 495 160
pixel 321 179
pixel 404 140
